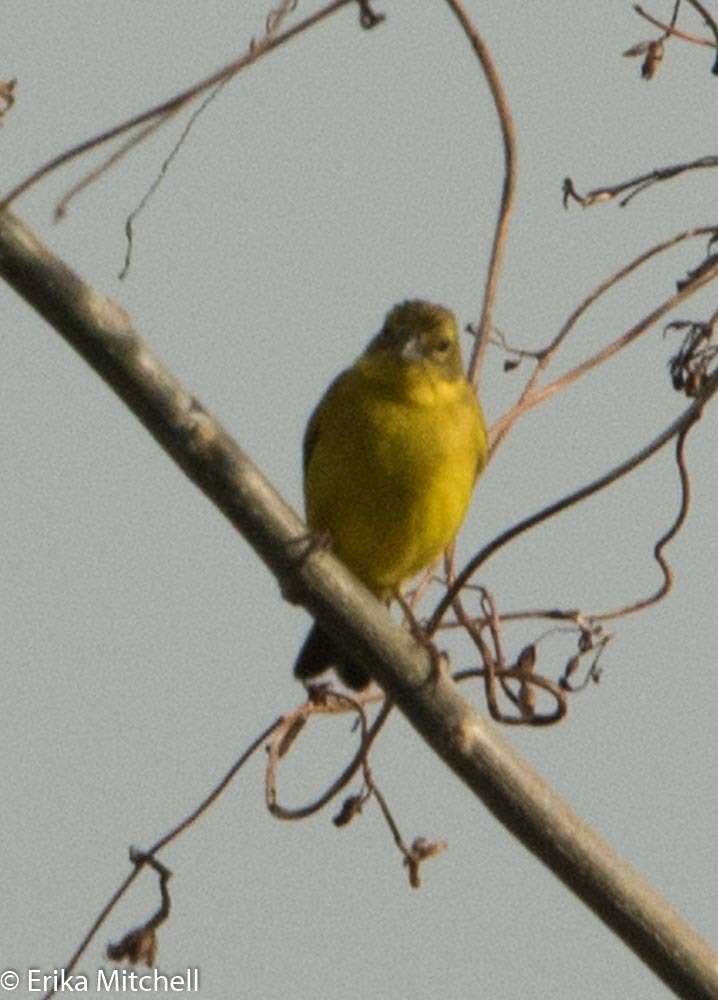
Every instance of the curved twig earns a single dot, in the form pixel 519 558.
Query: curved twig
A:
pixel 368 735
pixel 588 619
pixel 495 668
pixel 684 420
pixel 665 538
pixel 508 190
pixel 140 943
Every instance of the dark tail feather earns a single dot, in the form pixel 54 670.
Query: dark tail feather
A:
pixel 319 653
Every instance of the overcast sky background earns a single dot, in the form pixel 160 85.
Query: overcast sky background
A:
pixel 143 643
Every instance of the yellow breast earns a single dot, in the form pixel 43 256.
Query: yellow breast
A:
pixel 392 468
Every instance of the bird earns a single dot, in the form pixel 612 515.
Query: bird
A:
pixel 391 455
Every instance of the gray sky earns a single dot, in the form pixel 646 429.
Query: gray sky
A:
pixel 143 643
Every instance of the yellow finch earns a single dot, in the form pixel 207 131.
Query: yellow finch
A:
pixel 391 455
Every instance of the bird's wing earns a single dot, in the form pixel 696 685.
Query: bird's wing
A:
pixel 314 427
pixel 483 449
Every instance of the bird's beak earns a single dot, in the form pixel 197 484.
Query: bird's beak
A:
pixel 411 351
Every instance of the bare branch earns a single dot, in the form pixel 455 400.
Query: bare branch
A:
pixel 635 186
pixel 167 109
pixel 140 943
pixel 508 190
pixel 532 395
pixel 273 23
pixel 670 29
pixel 702 278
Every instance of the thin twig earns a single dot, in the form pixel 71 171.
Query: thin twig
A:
pixel 92 175
pixel 675 428
pixel 216 791
pixel 273 23
pixel 591 618
pixel 669 29
pixel 421 849
pixel 668 536
pixel 508 190
pixel 140 943
pixel 532 396
pixel 708 18
pixel 492 662
pixel 635 186
pixel 685 290
pixel 168 108
pixel 145 857
pixel 494 668
pixel 368 735
pixel 161 174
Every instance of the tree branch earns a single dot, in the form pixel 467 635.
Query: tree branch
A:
pixel 533 394
pixel 161 113
pixel 101 332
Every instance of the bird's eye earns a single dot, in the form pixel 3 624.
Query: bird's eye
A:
pixel 443 345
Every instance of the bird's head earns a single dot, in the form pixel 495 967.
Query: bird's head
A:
pixel 418 332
